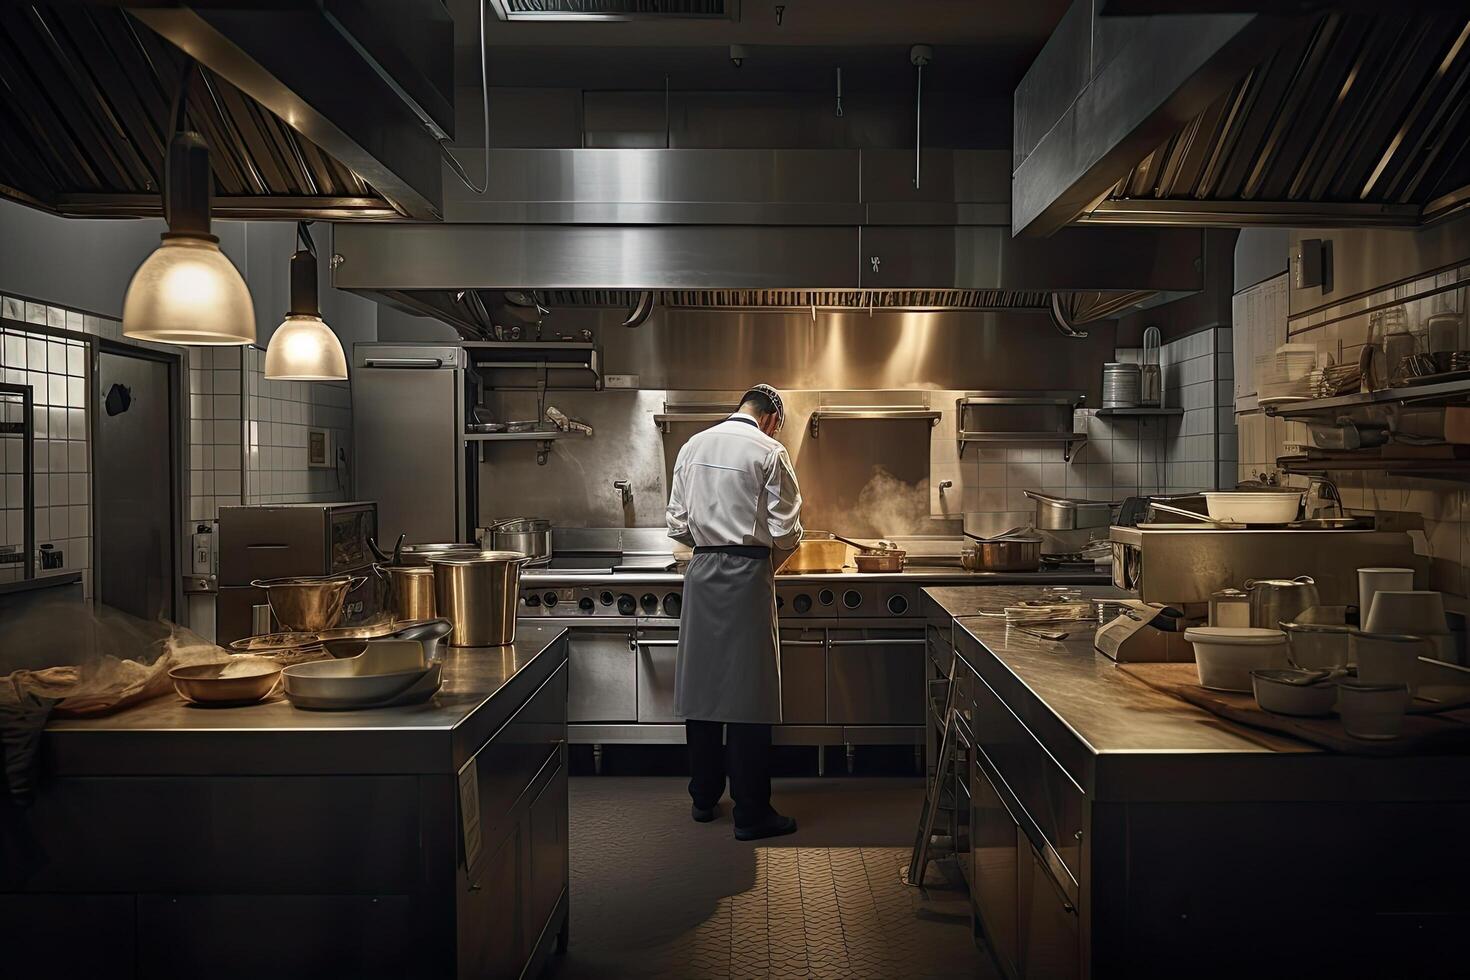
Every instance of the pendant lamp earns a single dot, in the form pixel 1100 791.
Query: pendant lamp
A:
pixel 304 348
pixel 187 291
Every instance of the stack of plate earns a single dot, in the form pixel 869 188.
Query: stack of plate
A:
pixel 1122 385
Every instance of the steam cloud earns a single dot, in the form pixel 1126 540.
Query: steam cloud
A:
pixel 888 506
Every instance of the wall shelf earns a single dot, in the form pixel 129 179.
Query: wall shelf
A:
pixel 1435 393
pixel 1107 413
pixel 530 365
pixel 1069 441
pixel 665 419
pixel 1449 468
pixel 543 439
pixel 847 413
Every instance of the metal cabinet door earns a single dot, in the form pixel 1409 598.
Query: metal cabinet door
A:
pixel 993 858
pixel 875 677
pixel 546 834
pixel 1049 935
pixel 603 683
pixel 803 677
pixel 657 651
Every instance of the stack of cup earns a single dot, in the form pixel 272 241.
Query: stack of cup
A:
pixel 1371 581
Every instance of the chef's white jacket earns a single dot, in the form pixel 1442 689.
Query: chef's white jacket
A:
pixel 733 484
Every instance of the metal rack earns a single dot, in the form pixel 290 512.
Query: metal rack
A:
pixel 1435 393
pixel 542 438
pixel 530 365
pixel 1052 409
pixel 836 413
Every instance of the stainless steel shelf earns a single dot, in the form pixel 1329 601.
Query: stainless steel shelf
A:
pixel 543 440
pixel 1070 441
pixel 1442 392
pixel 1453 470
pixel 664 420
pixel 1104 413
pixel 849 413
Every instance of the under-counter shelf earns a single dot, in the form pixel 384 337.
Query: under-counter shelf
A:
pixel 1453 468
pixel 1070 441
pixel 847 413
pixel 1435 393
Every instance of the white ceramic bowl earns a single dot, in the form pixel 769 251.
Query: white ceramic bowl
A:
pixel 1418 611
pixel 1254 506
pixel 1276 693
pixel 1373 711
pixel 1226 655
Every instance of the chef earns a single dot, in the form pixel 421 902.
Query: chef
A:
pixel 734 499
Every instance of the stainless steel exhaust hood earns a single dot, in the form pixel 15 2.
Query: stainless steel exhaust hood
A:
pixel 753 229
pixel 1354 117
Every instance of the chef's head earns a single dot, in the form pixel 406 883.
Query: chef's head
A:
pixel 764 403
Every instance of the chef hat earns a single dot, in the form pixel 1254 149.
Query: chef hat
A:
pixel 774 396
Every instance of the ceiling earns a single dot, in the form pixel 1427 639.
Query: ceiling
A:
pixel 988 44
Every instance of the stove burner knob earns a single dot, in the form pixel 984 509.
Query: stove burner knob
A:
pixel 606 598
pixel 780 602
pixel 672 604
pixel 532 599
pixel 826 598
pixel 549 599
pixel 852 598
pixel 898 605
pixel 585 603
pixel 627 604
pixel 649 602
pixel 802 603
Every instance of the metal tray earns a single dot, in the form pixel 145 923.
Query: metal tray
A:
pixel 416 693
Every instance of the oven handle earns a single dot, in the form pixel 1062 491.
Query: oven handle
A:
pixel 803 643
pixel 658 643
pixel 877 643
pixel 403 362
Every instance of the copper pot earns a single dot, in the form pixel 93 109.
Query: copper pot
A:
pixel 1007 554
pixel 880 560
pixel 308 603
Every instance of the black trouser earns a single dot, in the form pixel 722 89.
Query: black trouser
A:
pixel 745 753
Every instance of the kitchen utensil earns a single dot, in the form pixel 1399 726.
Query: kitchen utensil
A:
pixel 531 536
pixel 240 680
pixel 308 603
pixel 1068 514
pixel 1042 634
pixel 1419 611
pixel 1230 607
pixel 1225 656
pixel 429 634
pixel 1373 580
pixel 1121 385
pixel 410 591
pixel 1254 506
pixel 384 669
pixel 396 558
pixel 1150 374
pixel 1300 693
pixel 1005 553
pixel 1373 711
pixel 1181 512
pixel 422 554
pixel 817 551
pixel 1389 658
pixel 477 593
pixel 1280 600
pixel 876 560
pixel 267 643
pixel 1317 646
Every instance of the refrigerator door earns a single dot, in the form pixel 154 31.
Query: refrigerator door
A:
pixel 408 423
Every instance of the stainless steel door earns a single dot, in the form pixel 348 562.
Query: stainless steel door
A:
pixel 803 677
pixel 993 859
pixel 136 479
pixel 657 651
pixel 875 676
pixel 408 430
pixel 604 674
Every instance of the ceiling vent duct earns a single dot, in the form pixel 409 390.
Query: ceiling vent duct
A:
pixel 553 10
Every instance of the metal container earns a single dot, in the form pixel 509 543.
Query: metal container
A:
pixel 1230 607
pixel 308 603
pixel 1006 554
pixel 410 592
pixel 1121 385
pixel 818 551
pixel 1280 600
pixel 1067 514
pixel 422 554
pixel 1150 374
pixel 477 594
pixel 880 560
pixel 531 536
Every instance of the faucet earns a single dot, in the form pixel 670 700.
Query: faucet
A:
pixel 945 485
pixel 1327 497
pixel 624 491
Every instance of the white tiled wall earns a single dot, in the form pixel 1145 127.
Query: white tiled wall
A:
pixel 1199 446
pixel 278 416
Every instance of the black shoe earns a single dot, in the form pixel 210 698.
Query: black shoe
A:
pixel 773 826
pixel 704 814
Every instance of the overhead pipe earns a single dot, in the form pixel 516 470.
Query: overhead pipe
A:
pixel 1061 322
pixel 640 311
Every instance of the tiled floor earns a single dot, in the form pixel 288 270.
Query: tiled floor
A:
pixel 656 895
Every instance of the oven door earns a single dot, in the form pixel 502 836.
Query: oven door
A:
pixel 658 648
pixel 876 676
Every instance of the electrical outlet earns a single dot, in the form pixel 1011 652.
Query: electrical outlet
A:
pixel 319 449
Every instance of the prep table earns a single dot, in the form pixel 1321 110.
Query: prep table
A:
pixel 426 840
pixel 1082 794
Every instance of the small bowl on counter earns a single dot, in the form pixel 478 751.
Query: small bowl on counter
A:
pixel 237 681
pixel 1253 506
pixel 1226 655
pixel 1373 711
pixel 1299 693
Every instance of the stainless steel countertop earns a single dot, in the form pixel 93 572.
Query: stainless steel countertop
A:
pixel 923 574
pixel 482 688
pixel 1120 739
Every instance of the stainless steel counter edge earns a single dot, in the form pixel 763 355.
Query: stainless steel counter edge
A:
pixel 1122 741
pixel 483 688
pixel 922 576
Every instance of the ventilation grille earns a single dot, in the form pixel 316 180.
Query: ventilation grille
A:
pixel 613 9
pixel 804 299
